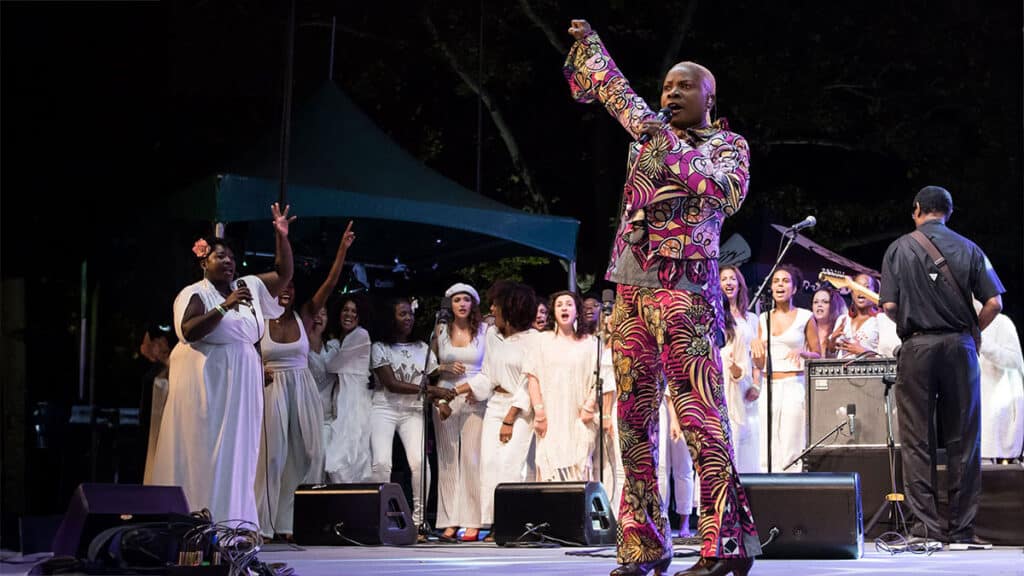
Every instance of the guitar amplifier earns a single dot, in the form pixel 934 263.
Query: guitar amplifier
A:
pixel 833 386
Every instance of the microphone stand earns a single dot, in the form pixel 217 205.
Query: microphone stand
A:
pixel 837 428
pixel 440 317
pixel 787 240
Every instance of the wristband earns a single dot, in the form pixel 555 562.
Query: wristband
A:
pixel 606 415
pixel 538 406
pixel 442 402
pixel 220 309
pixel 506 423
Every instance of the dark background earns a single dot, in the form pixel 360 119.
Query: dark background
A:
pixel 107 108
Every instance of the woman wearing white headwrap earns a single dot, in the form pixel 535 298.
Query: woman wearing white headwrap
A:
pixel 457 424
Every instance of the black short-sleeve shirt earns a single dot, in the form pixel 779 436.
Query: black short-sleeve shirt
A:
pixel 926 301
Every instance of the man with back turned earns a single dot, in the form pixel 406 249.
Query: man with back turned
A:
pixel 928 295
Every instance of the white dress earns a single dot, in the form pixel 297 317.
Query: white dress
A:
pixel 789 398
pixel 327 386
pixel 210 431
pixel 744 420
pixel 1002 390
pixel 867 335
pixel 564 368
pixel 348 450
pixel 292 451
pixel 458 437
pixel 503 366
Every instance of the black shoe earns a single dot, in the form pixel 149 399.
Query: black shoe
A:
pixel 660 566
pixel 972 543
pixel 719 567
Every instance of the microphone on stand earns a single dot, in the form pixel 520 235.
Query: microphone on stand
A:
pixel 607 301
pixel 665 114
pixel 808 222
pixel 444 313
pixel 851 413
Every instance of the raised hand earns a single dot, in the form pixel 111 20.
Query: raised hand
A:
pixel 348 237
pixel 281 219
pixel 579 29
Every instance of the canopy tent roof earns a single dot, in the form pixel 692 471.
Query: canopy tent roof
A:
pixel 342 165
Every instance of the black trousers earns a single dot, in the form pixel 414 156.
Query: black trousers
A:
pixel 939 378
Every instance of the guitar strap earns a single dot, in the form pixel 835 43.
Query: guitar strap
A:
pixel 940 262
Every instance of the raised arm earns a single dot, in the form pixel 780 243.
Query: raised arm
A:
pixel 319 300
pixel 284 262
pixel 594 76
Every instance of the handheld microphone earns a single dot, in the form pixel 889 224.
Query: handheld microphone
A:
pixel 851 413
pixel 607 301
pixel 805 223
pixel 248 303
pixel 665 114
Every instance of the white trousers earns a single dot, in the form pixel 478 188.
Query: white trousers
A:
pixel 291 451
pixel 501 462
pixel 789 423
pixel 458 465
pixel 386 419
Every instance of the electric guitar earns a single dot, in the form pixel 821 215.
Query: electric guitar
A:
pixel 840 281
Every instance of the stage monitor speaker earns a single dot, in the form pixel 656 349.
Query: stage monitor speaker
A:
pixel 872 464
pixel 818 515
pixel 340 514
pixel 576 512
pixel 832 385
pixel 95 508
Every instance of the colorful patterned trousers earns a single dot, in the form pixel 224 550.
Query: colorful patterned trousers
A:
pixel 665 337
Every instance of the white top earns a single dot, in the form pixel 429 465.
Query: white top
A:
pixel 325 380
pixel 737 351
pixel 867 335
pixel 564 368
pixel 406 360
pixel 888 339
pixel 471 356
pixel 794 338
pixel 503 366
pixel 278 356
pixel 348 448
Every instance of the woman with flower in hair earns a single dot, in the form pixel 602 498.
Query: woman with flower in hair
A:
pixel 210 431
pixel 292 452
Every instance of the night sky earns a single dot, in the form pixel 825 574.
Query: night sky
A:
pixel 849 109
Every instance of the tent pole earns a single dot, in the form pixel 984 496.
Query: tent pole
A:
pixel 330 66
pixel 218 229
pixel 572 276
pixel 286 105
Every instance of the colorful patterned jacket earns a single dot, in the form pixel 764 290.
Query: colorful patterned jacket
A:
pixel 678 191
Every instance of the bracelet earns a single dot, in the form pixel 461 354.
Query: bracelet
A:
pixel 442 402
pixel 220 309
pixel 506 423
pixel 606 415
pixel 538 407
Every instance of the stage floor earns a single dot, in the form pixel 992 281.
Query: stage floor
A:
pixel 488 560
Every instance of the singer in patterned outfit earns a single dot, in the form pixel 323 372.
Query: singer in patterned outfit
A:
pixel 668 315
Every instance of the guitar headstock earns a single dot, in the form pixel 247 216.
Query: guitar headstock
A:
pixel 835 278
